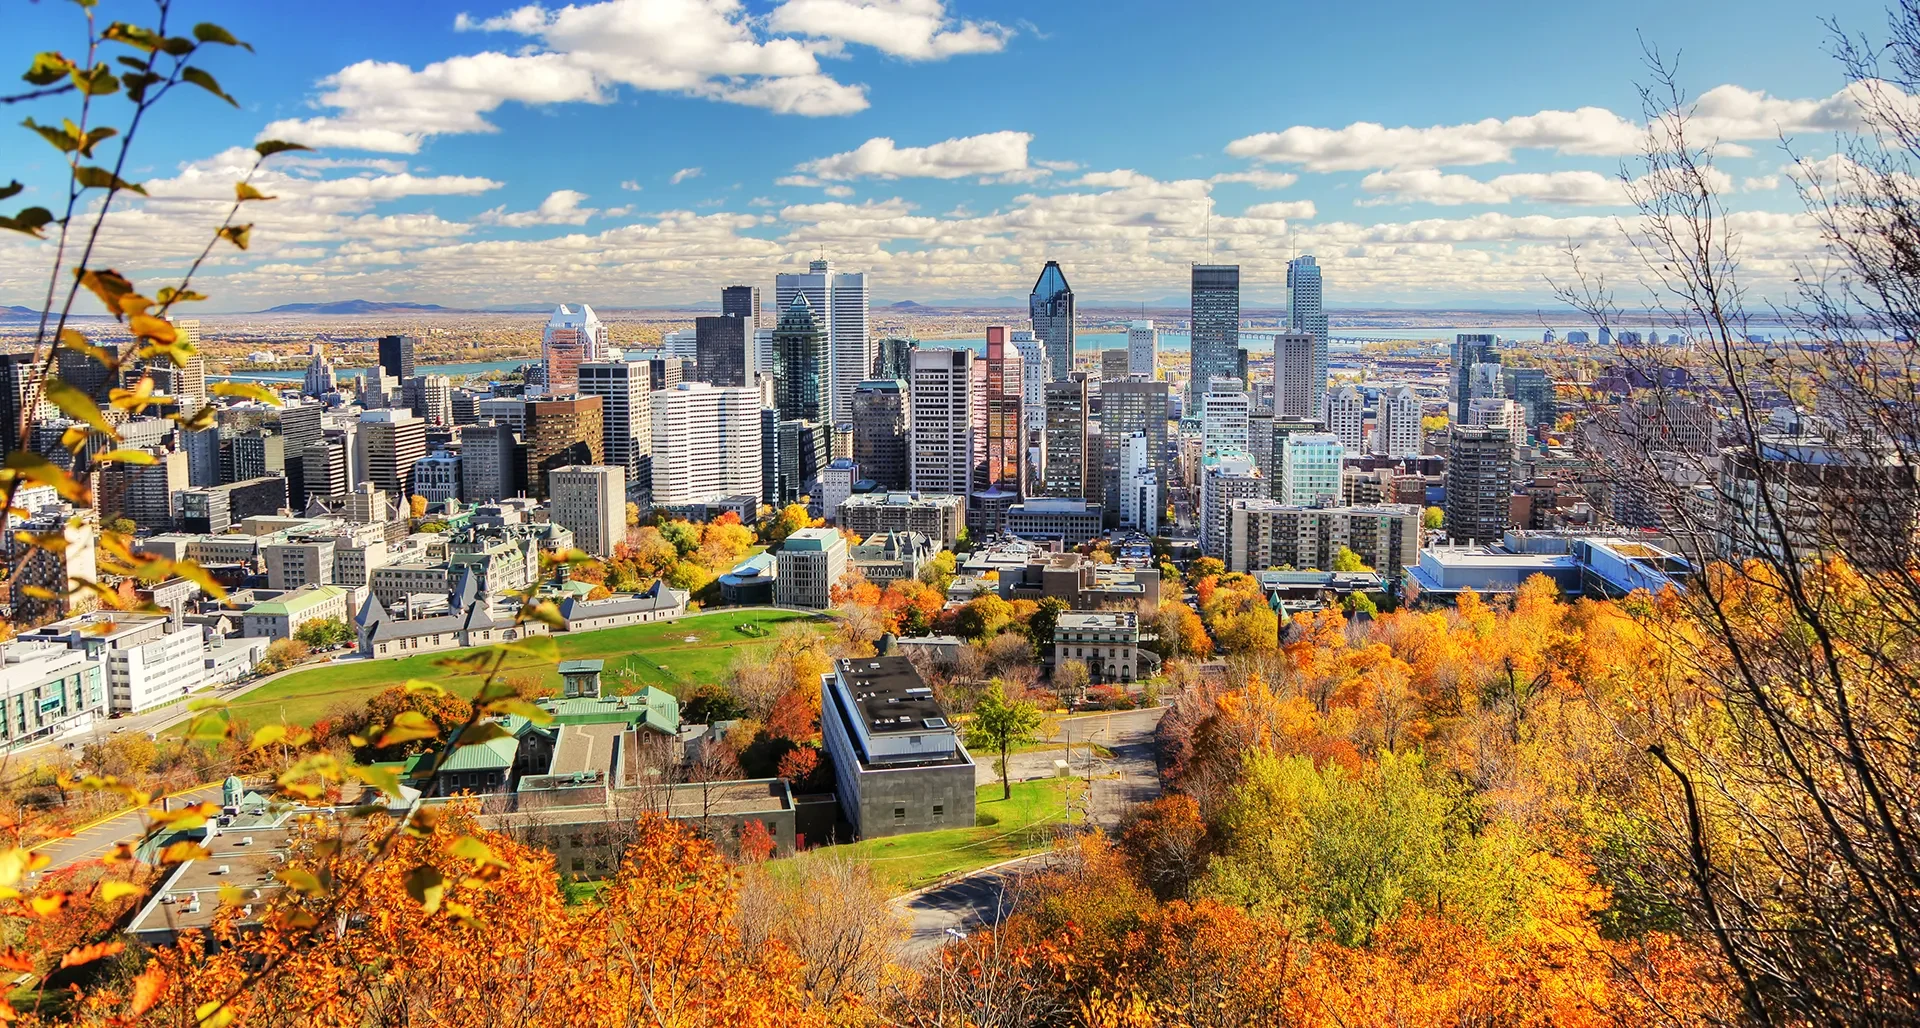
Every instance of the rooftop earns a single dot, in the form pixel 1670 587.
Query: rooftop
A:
pixel 812 539
pixel 299 601
pixel 890 696
pixel 1098 619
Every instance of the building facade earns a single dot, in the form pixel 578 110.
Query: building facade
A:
pixel 811 562
pixel 591 502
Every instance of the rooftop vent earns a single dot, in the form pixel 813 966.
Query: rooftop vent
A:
pixel 935 722
pixel 246 840
pixel 222 869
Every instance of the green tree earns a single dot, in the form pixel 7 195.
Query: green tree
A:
pixel 1359 603
pixel 325 633
pixel 1346 560
pixel 1433 518
pixel 999 725
pixel 940 571
pixel 792 518
pixel 1040 626
pixel 983 616
pixel 684 536
pixel 121 526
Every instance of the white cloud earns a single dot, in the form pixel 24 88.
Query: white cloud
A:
pixel 997 156
pixel 763 201
pixel 914 29
pixel 1259 178
pixel 1724 113
pixel 630 186
pixel 684 174
pixel 1573 188
pixel 839 191
pixel 1760 183
pixel 561 207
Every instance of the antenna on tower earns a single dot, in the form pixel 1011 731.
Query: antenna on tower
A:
pixel 1209 225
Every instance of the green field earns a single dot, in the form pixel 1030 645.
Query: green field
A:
pixel 1003 829
pixel 658 654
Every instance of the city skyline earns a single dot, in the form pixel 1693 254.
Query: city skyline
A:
pixel 883 136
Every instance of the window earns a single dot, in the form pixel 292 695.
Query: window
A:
pixel 577 841
pixel 939 810
pixel 899 814
pixel 579 864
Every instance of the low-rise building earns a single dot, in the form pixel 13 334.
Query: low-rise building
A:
pixel 811 562
pixel 1065 520
pixel 1265 534
pixel 897 760
pixel 939 516
pixel 1079 581
pixel 46 690
pixel 891 556
pixel 1107 641
pixel 750 583
pixel 281 618
pixel 147 665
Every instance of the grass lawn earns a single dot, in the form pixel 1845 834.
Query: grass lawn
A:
pixel 1003 829
pixel 668 654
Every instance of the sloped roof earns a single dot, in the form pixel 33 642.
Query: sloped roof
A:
pixel 655 708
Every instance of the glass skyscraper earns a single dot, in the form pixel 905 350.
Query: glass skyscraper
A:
pixel 1051 307
pixel 800 369
pixel 1306 313
pixel 1215 328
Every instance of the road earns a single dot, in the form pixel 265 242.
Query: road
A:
pixel 978 900
pixel 94 842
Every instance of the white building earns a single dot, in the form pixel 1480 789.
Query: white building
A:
pixel 836 484
pixel 47 689
pixel 437 476
pixel 572 338
pixel 811 561
pixel 1492 412
pixel 591 502
pixel 1223 417
pixel 1397 431
pixel 1143 349
pixel 1310 468
pixel 1033 379
pixel 948 419
pixel 1346 418
pixel 146 664
pixel 841 299
pixel 1139 488
pixel 507 410
pixel 1224 479
pixel 706 443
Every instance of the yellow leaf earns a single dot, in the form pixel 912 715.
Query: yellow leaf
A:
pixel 76 405
pixel 237 234
pixel 427 886
pixel 213 1014
pixel 108 285
pixel 243 192
pixel 249 390
pixel 432 688
pixel 407 726
pixel 126 456
pixel 267 735
pixel 72 339
pixel 48 905
pixel 13 864
pixel 469 848
pixel 303 881
pixel 386 779
pixel 146 326
pixel 112 891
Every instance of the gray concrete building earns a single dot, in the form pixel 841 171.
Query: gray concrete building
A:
pixel 897 760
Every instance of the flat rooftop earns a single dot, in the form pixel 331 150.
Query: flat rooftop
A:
pixel 890 697
pixel 585 748
pixel 1089 619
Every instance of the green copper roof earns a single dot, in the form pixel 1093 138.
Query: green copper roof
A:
pixel 655 708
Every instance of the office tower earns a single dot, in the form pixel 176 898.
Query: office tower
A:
pixel 836 484
pixel 49 581
pixel 663 372
pixel 802 370
pixel 1066 472
pixel 1346 418
pixel 771 487
pixel 376 389
pixel 87 374
pixel 1498 412
pixel 390 441
pixel 1398 431
pixel 1051 308
pixel 1223 480
pixel 465 404
pixel 142 493
pixel 1143 349
pixel 804 452
pixel 1294 388
pixel 300 427
pixel 186 383
pixel 1113 365
pixel 948 419
pixel 1140 488
pixel 1479 483
pixel 1260 440
pixel 430 397
pixel 19 381
pixel 839 301
pixel 572 337
pixel 320 378
pixel 893 358
pixel 203 456
pixel 741 302
pixel 682 343
pixel 508 410
pixel 436 476
pixel 999 481
pixel 591 502
pixel 706 443
pixel 487 462
pixel 1484 381
pixel 626 417
pixel 255 453
pixel 881 414
pixel 1215 332
pixel 1306 313
pixel 1468 349
pixel 326 467
pixel 722 348
pixel 1033 368
pixel 559 432
pixel 1223 417
pixel 1533 389
pixel 396 356
pixel 1310 468
pixel 1126 407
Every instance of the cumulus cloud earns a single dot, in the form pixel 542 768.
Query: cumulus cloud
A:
pixel 1760 183
pixel 839 191
pixel 561 207
pixel 715 49
pixel 1259 178
pixel 630 186
pixel 1573 188
pixel 992 156
pixel 684 174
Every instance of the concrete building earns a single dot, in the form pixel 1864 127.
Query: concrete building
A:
pixel 999 480
pixel 1030 572
pixel 1346 417
pixel 1113 365
pixel 706 443
pixel 294 563
pixel 1224 411
pixel 507 410
pixel 390 442
pixel 1136 405
pixel 591 502
pixel 430 397
pixel 881 413
pixel 1107 641
pixel 573 336
pixel 1224 479
pixel 1215 335
pixel 1398 429
pixel 1264 534
pixel 1295 391
pixel 626 416
pixel 811 562
pixel 1143 349
pixel 1498 412
pixel 836 484
pixel 37 569
pixel 1065 471
pixel 1310 465
pixel 489 462
pixel 1140 488
pixel 939 517
pixel 146 664
pixel 559 433
pixel 1034 372
pixel 436 477
pixel 1066 520
pixel 898 763
pixel 47 690
pixel 1051 309
pixel 1479 483
pixel 281 618
pixel 949 415
pixel 840 301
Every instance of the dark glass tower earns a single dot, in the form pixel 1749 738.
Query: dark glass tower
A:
pixel 721 347
pixel 1215 328
pixel 1469 348
pixel 741 302
pixel 800 368
pixel 893 358
pixel 1051 307
pixel 396 355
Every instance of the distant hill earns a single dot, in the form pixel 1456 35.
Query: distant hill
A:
pixel 904 305
pixel 354 307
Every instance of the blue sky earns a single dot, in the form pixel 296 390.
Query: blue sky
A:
pixel 635 152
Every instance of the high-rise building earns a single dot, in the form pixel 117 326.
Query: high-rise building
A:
pixel 1398 430
pixel 999 481
pixel 723 348
pixel 488 462
pixel 1310 468
pixel 508 410
pixel 1346 418
pixel 893 357
pixel 1224 479
pixel 1034 371
pixel 663 371
pixel 88 374
pixel 1114 365
pixel 839 301
pixel 1140 488
pixel 1066 472
pixel 559 432
pixel 1215 334
pixel 326 466
pixel 1307 313
pixel 376 388
pixel 430 397
pixel 881 414
pixel 185 383
pixel 320 379
pixel 1485 382
pixel 572 337
pixel 1469 349
pixel 19 381
pixel 1296 392
pixel 396 356
pixel 1143 349
pixel 1533 389
pixel 802 370
pixel 390 441
pixel 1479 483
pixel 804 452
pixel 591 502
pixel 741 302
pixel 1498 412
pixel 706 443
pixel 1265 533
pixel 1051 308
pixel 142 493
pixel 626 418
pixel 1126 407
pixel 1224 410
pixel 436 476
pixel 948 419
pixel 50 581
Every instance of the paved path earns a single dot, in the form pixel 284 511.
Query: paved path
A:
pixel 1118 782
pixel 978 900
pixel 93 842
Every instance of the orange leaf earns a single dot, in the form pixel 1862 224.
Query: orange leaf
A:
pixel 88 954
pixel 146 988
pixel 14 960
pixel 49 905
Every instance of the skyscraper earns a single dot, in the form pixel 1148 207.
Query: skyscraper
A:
pixel 1215 334
pixel 390 441
pixel 893 357
pixel 948 419
pixel 881 413
pixel 802 373
pixel 396 355
pixel 839 301
pixel 1051 308
pixel 1306 313
pixel 626 419
pixel 1345 417
pixel 487 462
pixel 1294 392
pixel 706 443
pixel 1139 488
pixel 1129 406
pixel 572 337
pixel 723 349
pixel 1065 473
pixel 741 302
pixel 1223 417
pixel 591 502
pixel 1143 349
pixel 1479 483
pixel 320 378
pixel 559 432
pixel 999 481
pixel 1397 431
pixel 1310 468
pixel 1468 349
pixel 1034 369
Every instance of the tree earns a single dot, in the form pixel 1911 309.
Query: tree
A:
pixel 121 525
pixel 1041 624
pixel 792 518
pixel 418 504
pixel 1433 519
pixel 940 571
pixel 983 617
pixel 1346 560
pixel 999 725
pixel 325 633
pixel 633 514
pixel 283 654
pixel 1207 567
pixel 1070 679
